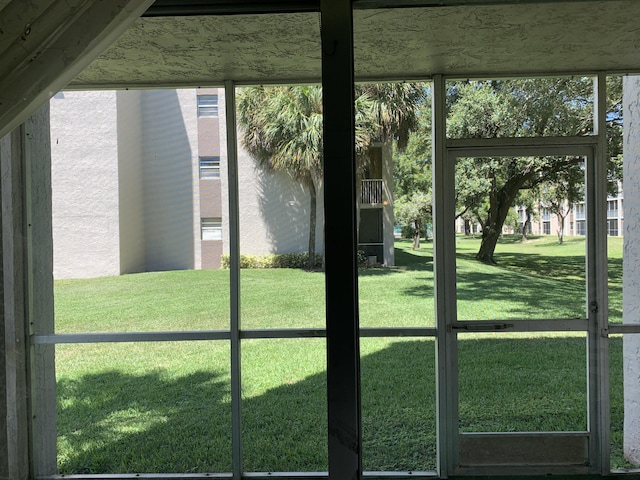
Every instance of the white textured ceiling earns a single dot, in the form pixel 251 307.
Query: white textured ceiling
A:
pixel 405 43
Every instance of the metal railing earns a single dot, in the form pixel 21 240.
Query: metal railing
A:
pixel 371 192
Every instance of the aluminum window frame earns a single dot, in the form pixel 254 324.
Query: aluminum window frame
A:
pixel 444 286
pixel 209 167
pixel 211 229
pixel 207 106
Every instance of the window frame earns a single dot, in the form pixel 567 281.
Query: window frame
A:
pixel 209 167
pixel 235 334
pixel 211 229
pixel 207 106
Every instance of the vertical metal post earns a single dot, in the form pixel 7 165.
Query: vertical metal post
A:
pixel 444 280
pixel 341 273
pixel 5 409
pixel 234 280
pixel 598 345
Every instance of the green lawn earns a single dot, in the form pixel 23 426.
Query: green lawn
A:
pixel 165 407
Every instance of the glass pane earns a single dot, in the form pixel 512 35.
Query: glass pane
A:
pixel 284 405
pixel 128 199
pixel 393 187
pixel 522 383
pixel 281 213
pixel 398 404
pixel 520 238
pixel 143 407
pixel 526 107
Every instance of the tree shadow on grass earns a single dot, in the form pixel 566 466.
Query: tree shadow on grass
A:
pixel 405 260
pixel 541 286
pixel 526 285
pixel 411 260
pixel 111 421
pixel 570 267
pixel 114 422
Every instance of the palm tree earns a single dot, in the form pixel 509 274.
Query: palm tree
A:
pixel 282 130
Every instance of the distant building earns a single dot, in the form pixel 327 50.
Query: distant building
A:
pixel 139 182
pixel 544 222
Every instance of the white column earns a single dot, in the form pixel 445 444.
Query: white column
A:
pixel 631 267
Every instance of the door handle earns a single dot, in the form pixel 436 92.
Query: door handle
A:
pixel 481 327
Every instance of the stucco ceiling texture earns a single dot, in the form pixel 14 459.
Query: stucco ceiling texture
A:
pixel 390 44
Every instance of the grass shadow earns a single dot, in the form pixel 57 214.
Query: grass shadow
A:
pixel 115 422
pixel 511 294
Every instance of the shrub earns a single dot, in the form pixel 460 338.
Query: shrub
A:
pixel 362 259
pixel 273 260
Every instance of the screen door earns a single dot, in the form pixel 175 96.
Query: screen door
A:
pixel 521 310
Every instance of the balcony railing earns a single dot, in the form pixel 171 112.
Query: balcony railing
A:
pixel 371 192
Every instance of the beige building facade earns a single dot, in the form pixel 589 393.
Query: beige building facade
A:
pixel 140 182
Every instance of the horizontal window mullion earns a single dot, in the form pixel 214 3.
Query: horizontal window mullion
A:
pixel 194 335
pixel 524 325
pixel 371 332
pixel 141 476
pixel 624 328
pixel 120 337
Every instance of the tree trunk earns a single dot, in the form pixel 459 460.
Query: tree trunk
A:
pixel 490 236
pixel 467 227
pixel 313 200
pixel 500 202
pixel 560 228
pixel 416 235
pixel 525 224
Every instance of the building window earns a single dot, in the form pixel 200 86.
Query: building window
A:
pixel 546 221
pixel 612 227
pixel 208 106
pixel 209 167
pixel 581 227
pixel 211 228
pixel 579 209
pixel 612 208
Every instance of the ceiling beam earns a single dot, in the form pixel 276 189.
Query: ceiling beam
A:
pixel 45 52
pixel 366 4
pixel 185 8
pixel 177 8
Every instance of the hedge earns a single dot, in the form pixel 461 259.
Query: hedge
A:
pixel 273 260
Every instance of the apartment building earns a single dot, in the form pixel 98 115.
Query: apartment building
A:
pixel 545 222
pixel 140 182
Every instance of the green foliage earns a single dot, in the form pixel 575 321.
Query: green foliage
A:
pixel 282 129
pixel 362 259
pixel 488 188
pixel 274 260
pixel 530 107
pixel 412 179
pixel 415 211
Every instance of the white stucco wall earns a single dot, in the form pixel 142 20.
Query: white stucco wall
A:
pixel 125 187
pixel 274 211
pixel 130 181
pixel 84 172
pixel 631 267
pixel 170 138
